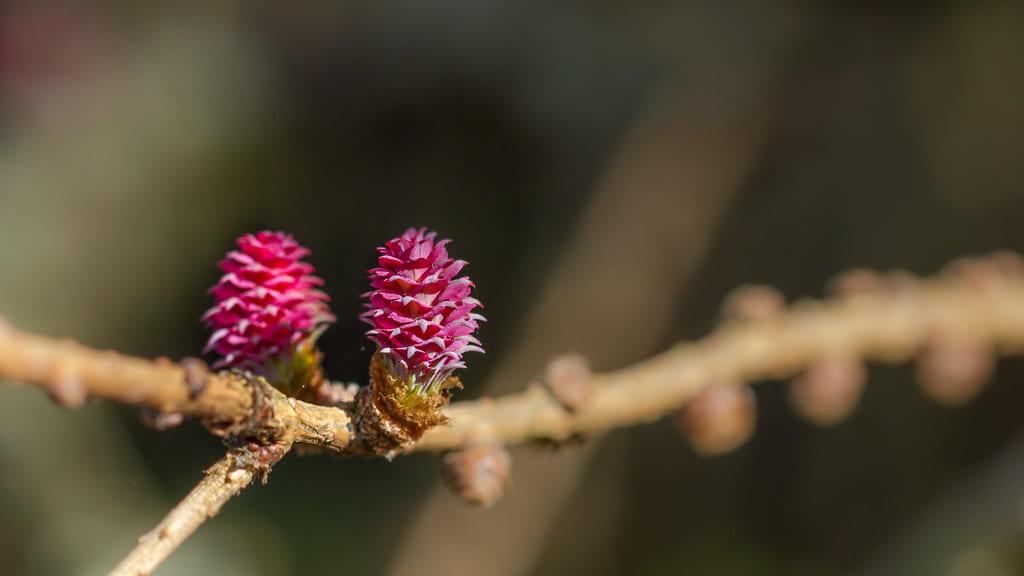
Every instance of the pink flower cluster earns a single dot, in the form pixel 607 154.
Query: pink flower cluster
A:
pixel 267 302
pixel 421 315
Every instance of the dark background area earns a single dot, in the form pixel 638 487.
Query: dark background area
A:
pixel 610 170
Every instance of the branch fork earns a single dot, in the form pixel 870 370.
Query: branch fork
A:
pixel 222 481
pixel 886 321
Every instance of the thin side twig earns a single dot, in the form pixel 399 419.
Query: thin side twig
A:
pixel 222 481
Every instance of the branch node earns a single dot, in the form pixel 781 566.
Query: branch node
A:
pixel 478 473
pixel 720 418
pixel 389 418
pixel 753 303
pixel 160 420
pixel 376 431
pixel 67 389
pixel 197 375
pixel 569 380
pixel 952 368
pixel 335 393
pixel 253 457
pixel 222 481
pixel 854 283
pixel 829 389
pixel 254 425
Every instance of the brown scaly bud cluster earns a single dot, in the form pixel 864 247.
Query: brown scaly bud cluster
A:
pixel 720 418
pixel 391 416
pixel 828 390
pixel 257 456
pixel 569 380
pixel 479 473
pixel 753 303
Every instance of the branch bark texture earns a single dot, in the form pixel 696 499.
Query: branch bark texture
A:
pixel 883 325
pixel 224 480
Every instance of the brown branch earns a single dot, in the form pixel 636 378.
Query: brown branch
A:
pixel 228 403
pixel 888 322
pixel 65 367
pixel 883 325
pixel 224 480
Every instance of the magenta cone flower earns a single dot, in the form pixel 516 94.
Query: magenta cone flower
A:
pixel 422 315
pixel 267 302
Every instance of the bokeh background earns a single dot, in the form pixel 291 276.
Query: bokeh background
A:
pixel 610 169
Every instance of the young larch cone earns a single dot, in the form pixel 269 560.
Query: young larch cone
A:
pixel 422 319
pixel 421 312
pixel 268 309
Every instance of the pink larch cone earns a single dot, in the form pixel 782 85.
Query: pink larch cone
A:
pixel 421 314
pixel 267 303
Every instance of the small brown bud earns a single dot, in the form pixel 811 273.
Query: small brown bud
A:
pixel 1009 263
pixel 855 282
pixel 67 389
pixel 159 420
pixel 952 369
pixel 753 303
pixel 478 473
pixel 569 379
pixel 828 390
pixel 257 456
pixel 900 280
pixel 335 393
pixel 981 274
pixel 196 375
pixel 720 418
